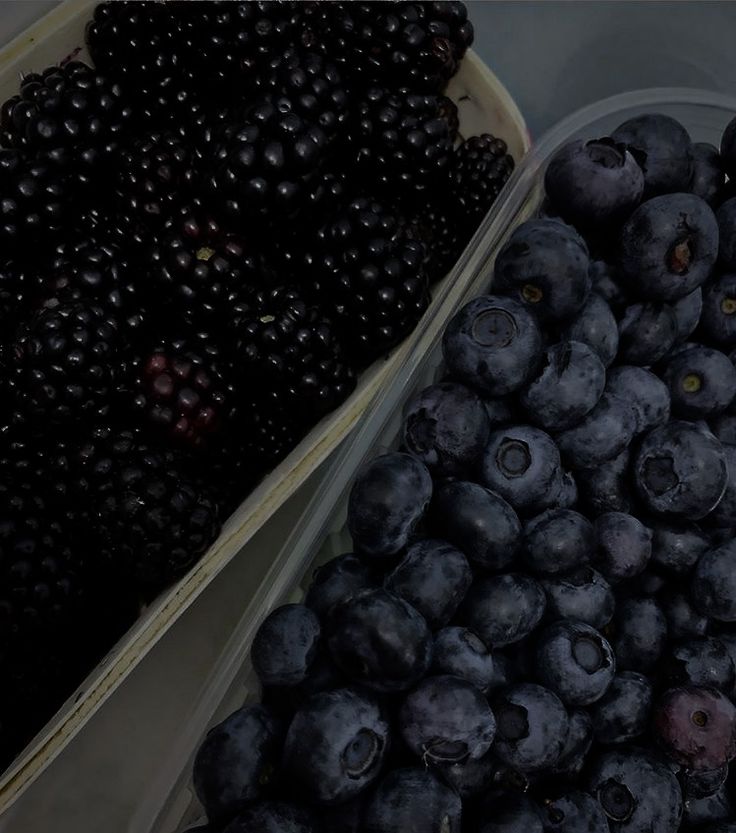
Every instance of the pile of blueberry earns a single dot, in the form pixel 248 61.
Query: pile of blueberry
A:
pixel 536 630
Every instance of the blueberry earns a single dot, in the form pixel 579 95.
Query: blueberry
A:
pixel 335 745
pixel 700 661
pixel 503 609
pixel 595 325
pixel 680 469
pixel 718 318
pixel 273 817
pixel 235 760
pixel 728 640
pixel 605 488
pixel 558 540
pixel 379 640
pixel 532 727
pixel 323 675
pixel 623 546
pixel 433 577
pixel 511 813
pixel 566 495
pixel 492 344
pixel 687 314
pixel 638 793
pixel 726 215
pixel 702 383
pixel 582 595
pixel 708 176
pixel 412 799
pixel 709 809
pixel 471 778
pixel 724 514
pixel 446 719
pixel 677 547
pixel 387 500
pixel 522 465
pixel 608 283
pixel 703 783
pixel 602 435
pixel 646 333
pixel 544 266
pixel 713 585
pixel 500 411
pixel 623 712
pixel 683 620
pixel 339 579
pixel 663 149
pixel 503 673
pixel 647 395
pixel 696 727
pixel 577 744
pixel 576 812
pixel 476 521
pixel 575 662
pixel 724 429
pixel 285 645
pixel 569 385
pixel 720 827
pixel 446 427
pixel 640 633
pixel 458 651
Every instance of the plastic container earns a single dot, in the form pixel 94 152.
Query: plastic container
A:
pixel 320 535
pixel 484 105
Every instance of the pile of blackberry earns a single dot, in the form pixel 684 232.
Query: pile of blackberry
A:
pixel 206 235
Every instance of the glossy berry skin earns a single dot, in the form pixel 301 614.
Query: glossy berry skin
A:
pixel 503 609
pixel 492 345
pixel 702 383
pixel 532 727
pixel 446 427
pixel 576 812
pixel 569 386
pixel 380 641
pixel 595 325
pixel 577 745
pixel 285 645
pixel 640 634
pixel 703 783
pixel 708 176
pixel 412 798
pixel 713 586
pixel 272 817
pixel 582 595
pixel 718 319
pixel 645 392
pixel 701 661
pixel 558 540
pixel 575 662
pixel 623 713
pixel 680 470
pixel 522 465
pixel 336 581
pixel 663 150
pixel 460 653
pixel 624 546
pixel 544 266
pixel 433 577
pixel 477 521
pixel 725 512
pixel 696 727
pixel 726 215
pixel 687 314
pixel 335 745
pixel 388 497
pixel 638 793
pixel 234 761
pixel 712 808
pixel 683 620
pixel 604 433
pixel 479 168
pixel 646 332
pixel 447 719
pixel 606 487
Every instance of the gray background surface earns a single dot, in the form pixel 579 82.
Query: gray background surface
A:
pixel 556 56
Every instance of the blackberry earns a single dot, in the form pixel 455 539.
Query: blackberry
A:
pixel 444 238
pixel 287 351
pixel 20 282
pixel 369 275
pixel 65 359
pixel 33 205
pixel 400 141
pixel 180 393
pixel 71 115
pixel 448 111
pixel 479 169
pixel 267 433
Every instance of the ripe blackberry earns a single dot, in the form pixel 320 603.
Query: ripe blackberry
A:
pixel 479 169
pixel 71 115
pixel 444 238
pixel 20 284
pixel 65 360
pixel 180 393
pixel 448 111
pixel 415 45
pixel 368 273
pixel 266 433
pixel 33 205
pixel 286 351
pixel 198 267
pixel 399 141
